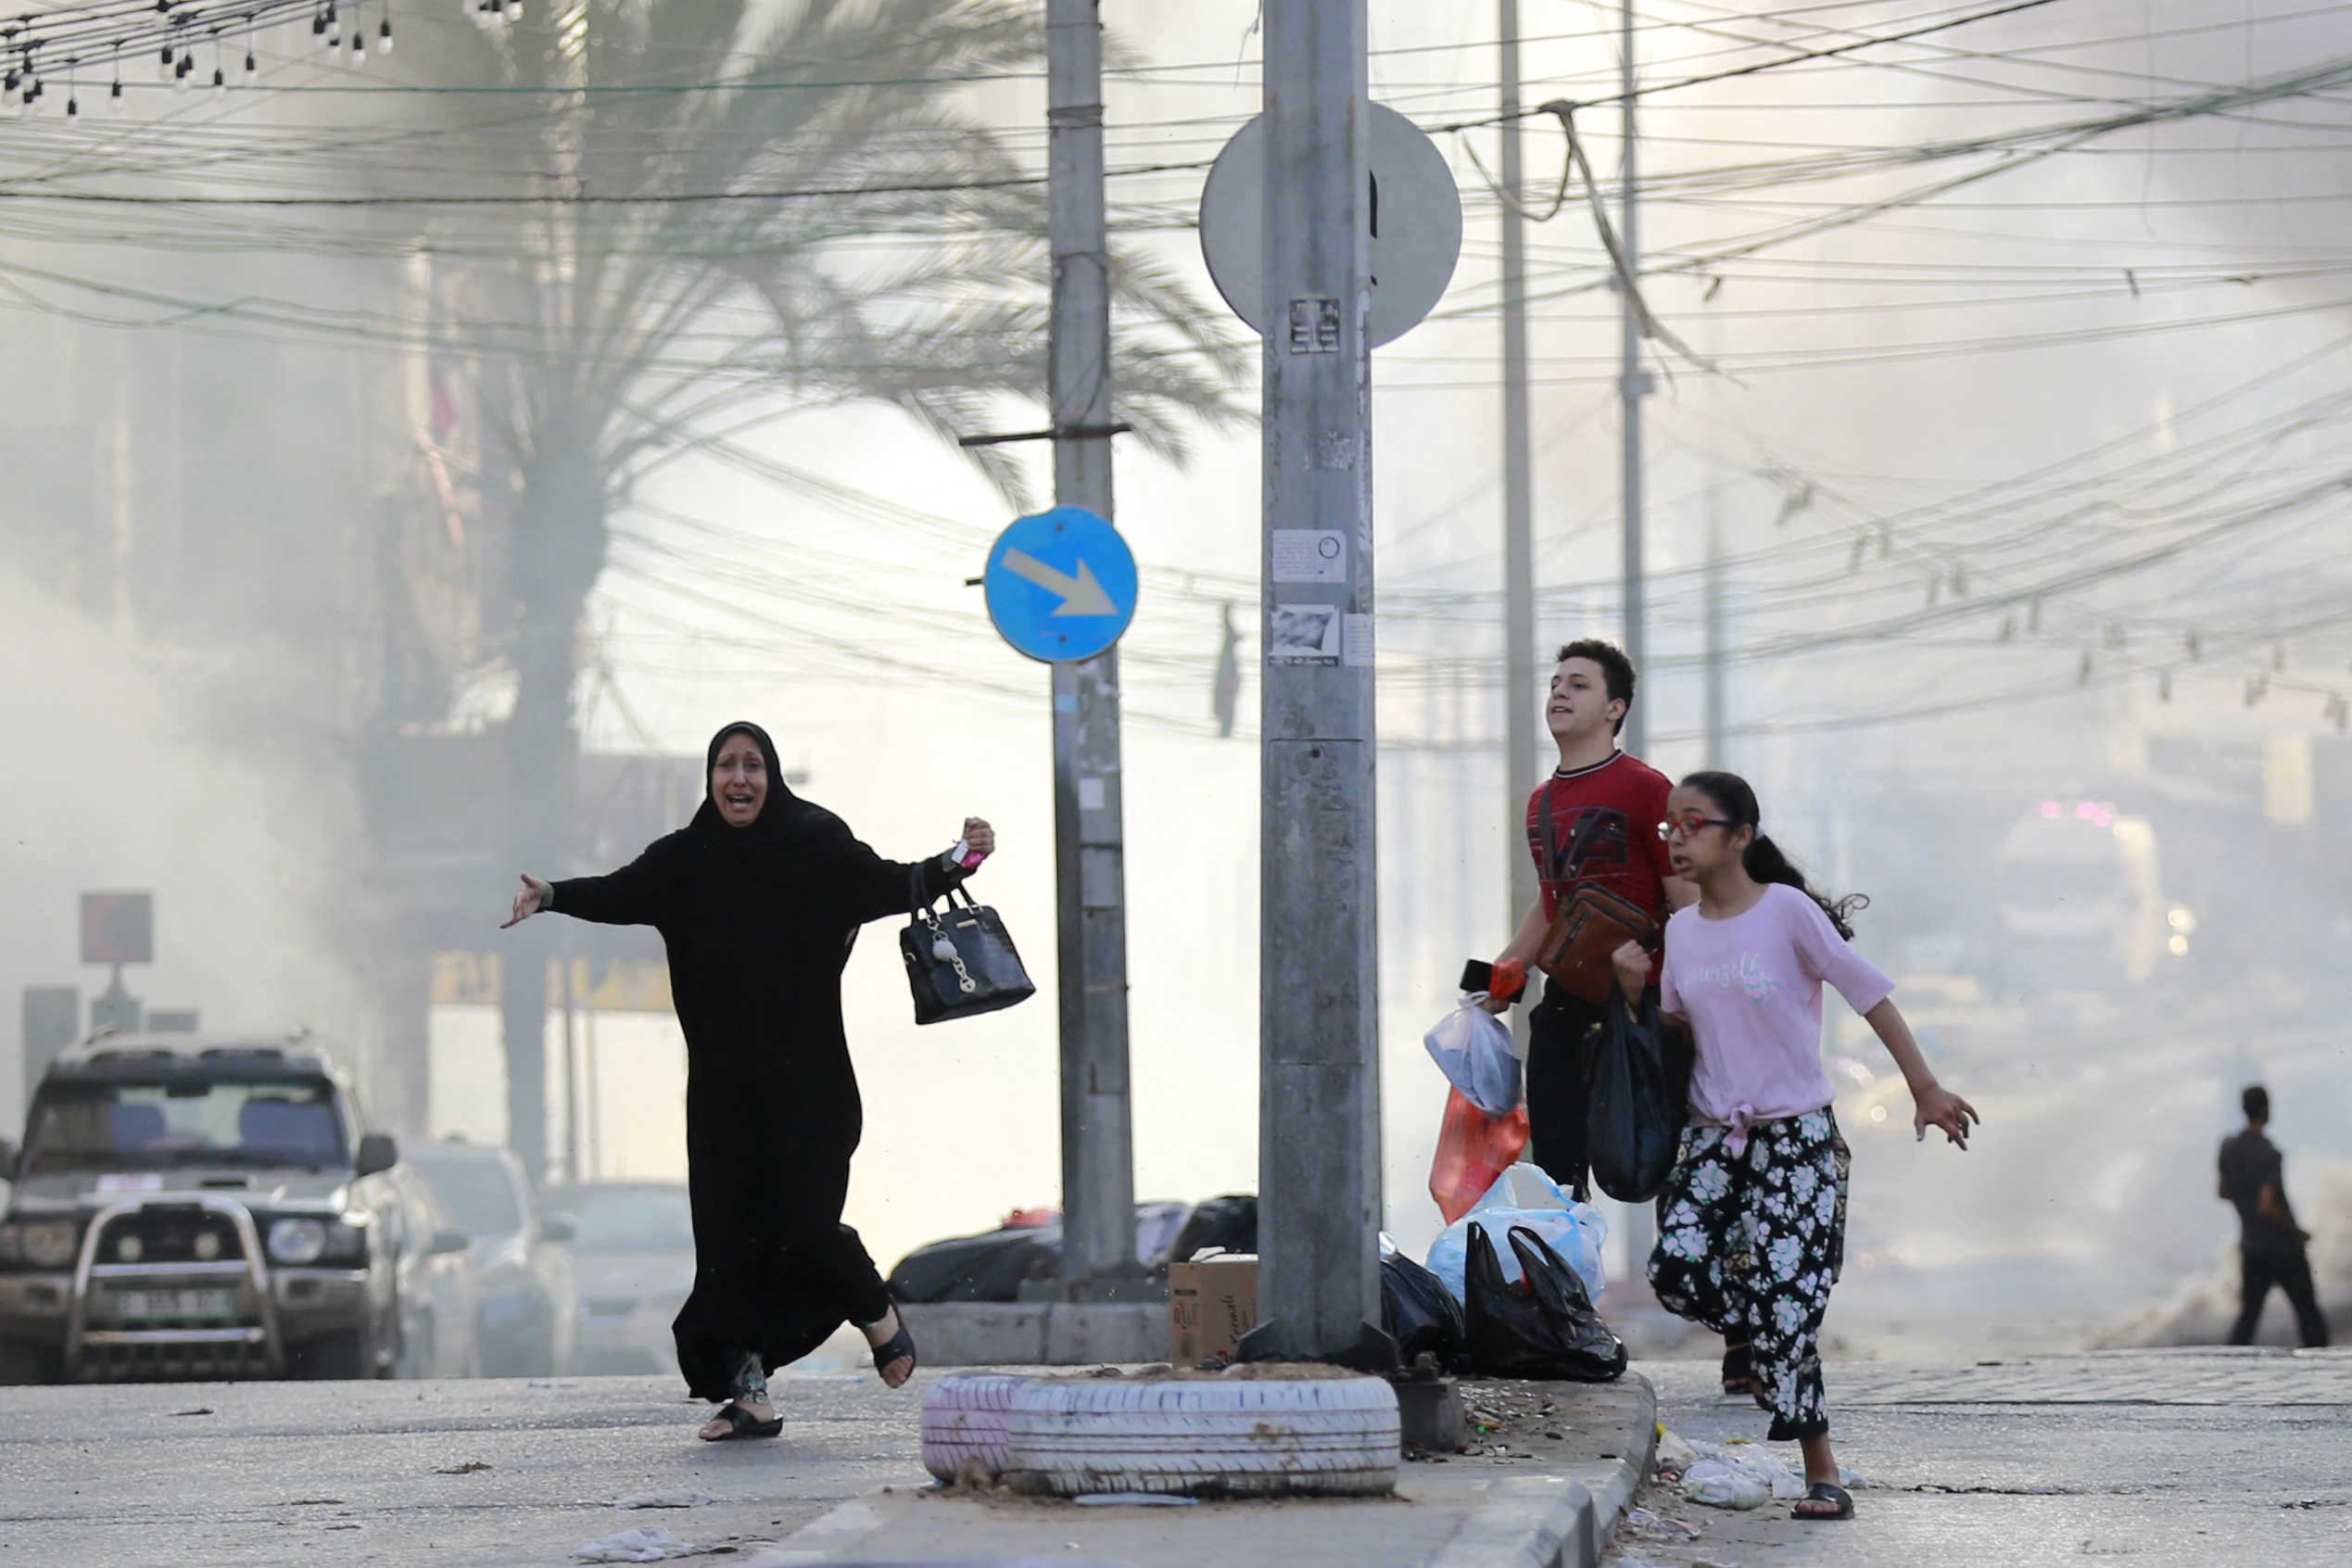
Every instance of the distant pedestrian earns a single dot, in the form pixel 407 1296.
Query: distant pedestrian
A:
pixel 1593 823
pixel 1751 1230
pixel 757 899
pixel 2270 1244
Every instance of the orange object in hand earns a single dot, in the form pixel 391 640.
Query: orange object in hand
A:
pixel 1474 1150
pixel 1511 979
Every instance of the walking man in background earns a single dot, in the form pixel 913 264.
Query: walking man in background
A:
pixel 2269 1244
pixel 1594 821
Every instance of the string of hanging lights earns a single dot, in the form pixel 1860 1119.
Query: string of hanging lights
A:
pixel 195 44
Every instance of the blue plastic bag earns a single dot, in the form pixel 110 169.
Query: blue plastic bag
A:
pixel 1525 1195
pixel 1472 1048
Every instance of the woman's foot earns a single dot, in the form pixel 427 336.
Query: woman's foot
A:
pixel 740 1418
pixel 1740 1370
pixel 898 1369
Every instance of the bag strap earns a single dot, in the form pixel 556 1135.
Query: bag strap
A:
pixel 917 905
pixel 1543 817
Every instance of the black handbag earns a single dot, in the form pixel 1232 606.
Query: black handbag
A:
pixel 959 963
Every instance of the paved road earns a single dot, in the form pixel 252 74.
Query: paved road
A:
pixel 2157 1458
pixel 378 1472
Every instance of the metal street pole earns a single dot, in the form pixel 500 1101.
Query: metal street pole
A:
pixel 1098 1176
pixel 1519 701
pixel 1319 1087
pixel 1633 385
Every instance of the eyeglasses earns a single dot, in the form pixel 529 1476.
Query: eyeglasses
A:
pixel 1688 824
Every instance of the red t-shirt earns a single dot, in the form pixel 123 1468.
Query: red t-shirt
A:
pixel 1605 830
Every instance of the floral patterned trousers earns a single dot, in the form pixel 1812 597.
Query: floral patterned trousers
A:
pixel 1749 1245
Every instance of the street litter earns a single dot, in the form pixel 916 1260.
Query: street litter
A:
pixel 1648 1524
pixel 1134 1500
pixel 637 1546
pixel 1675 1456
pixel 665 1500
pixel 468 1468
pixel 1740 1475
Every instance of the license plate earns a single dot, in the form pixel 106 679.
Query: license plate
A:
pixel 151 1306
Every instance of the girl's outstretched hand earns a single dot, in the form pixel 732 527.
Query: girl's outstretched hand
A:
pixel 1940 1108
pixel 529 902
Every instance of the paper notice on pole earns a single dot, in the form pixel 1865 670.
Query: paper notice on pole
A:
pixel 1304 634
pixel 1090 792
pixel 1356 640
pixel 1309 555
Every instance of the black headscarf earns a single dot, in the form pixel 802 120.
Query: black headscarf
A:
pixel 790 836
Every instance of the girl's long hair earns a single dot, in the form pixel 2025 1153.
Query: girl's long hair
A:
pixel 1736 801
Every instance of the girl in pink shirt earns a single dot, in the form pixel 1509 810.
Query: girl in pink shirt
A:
pixel 1752 1232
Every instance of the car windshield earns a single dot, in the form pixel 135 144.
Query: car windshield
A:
pixel 152 1126
pixel 477 1193
pixel 630 1219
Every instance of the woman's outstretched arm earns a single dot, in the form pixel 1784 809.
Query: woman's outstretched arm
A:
pixel 874 887
pixel 638 895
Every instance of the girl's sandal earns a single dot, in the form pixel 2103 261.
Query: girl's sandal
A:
pixel 899 1346
pixel 1823 1492
pixel 741 1422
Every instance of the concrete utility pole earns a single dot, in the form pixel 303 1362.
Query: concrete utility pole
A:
pixel 1319 1087
pixel 1519 701
pixel 1633 385
pixel 1098 1176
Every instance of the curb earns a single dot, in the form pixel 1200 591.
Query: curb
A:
pixel 1559 1519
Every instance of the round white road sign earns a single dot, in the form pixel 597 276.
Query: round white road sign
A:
pixel 1414 215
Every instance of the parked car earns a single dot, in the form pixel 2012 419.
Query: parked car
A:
pixel 1026 1248
pixel 633 1265
pixel 527 1310
pixel 198 1207
pixel 438 1308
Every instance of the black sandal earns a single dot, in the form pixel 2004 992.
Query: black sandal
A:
pixel 1740 1371
pixel 1822 1491
pixel 900 1345
pixel 741 1422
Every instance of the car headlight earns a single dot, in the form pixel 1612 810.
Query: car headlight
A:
pixel 298 1241
pixel 49 1244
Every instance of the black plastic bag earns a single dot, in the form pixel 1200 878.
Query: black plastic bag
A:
pixel 1634 1107
pixel 1420 1313
pixel 1544 1328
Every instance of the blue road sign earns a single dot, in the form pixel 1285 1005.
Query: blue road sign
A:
pixel 1061 584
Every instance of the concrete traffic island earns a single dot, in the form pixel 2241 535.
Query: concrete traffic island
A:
pixel 507 1472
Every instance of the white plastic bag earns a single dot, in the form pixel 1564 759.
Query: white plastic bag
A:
pixel 1525 1195
pixel 1720 1485
pixel 1472 1048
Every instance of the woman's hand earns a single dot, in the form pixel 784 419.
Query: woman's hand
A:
pixel 529 902
pixel 979 837
pixel 1937 1107
pixel 1632 963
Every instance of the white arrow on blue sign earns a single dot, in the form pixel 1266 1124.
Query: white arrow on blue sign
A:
pixel 1061 584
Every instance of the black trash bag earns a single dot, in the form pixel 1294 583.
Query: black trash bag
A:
pixel 1635 1103
pixel 1544 1328
pixel 1420 1314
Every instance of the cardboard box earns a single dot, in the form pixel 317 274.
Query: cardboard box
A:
pixel 1211 1303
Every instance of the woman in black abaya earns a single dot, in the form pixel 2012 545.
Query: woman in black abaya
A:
pixel 758 900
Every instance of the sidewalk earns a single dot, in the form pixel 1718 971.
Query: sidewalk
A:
pixel 1543 1487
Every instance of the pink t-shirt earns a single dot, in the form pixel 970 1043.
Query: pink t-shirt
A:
pixel 1751 987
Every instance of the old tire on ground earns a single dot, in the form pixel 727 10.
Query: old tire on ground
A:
pixel 963 1417
pixel 1206 1437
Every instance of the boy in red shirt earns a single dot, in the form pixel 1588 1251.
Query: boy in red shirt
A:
pixel 1600 812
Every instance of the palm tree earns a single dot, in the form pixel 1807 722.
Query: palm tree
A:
pixel 729 205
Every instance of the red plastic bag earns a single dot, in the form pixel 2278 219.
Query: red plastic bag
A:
pixel 1474 1150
